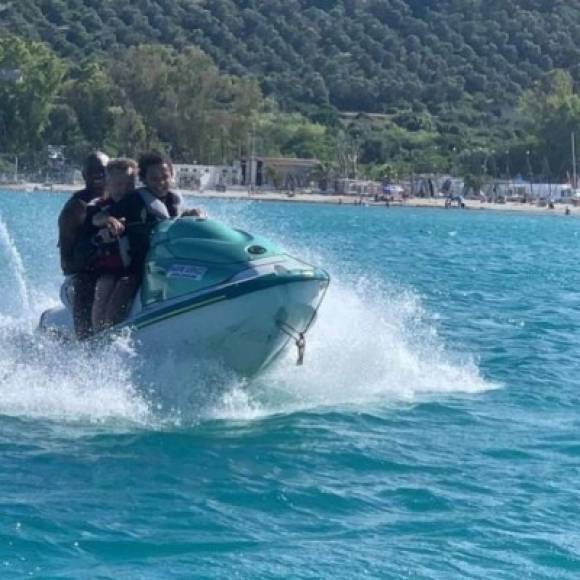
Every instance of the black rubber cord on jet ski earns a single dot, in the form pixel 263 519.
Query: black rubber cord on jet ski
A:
pixel 300 337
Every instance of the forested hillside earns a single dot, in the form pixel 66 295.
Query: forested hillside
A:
pixel 452 69
pixel 367 55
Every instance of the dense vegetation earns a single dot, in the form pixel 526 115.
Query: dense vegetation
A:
pixel 395 85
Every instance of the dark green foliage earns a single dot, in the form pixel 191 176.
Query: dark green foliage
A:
pixel 357 55
pixel 551 112
pixel 27 99
pixel 447 74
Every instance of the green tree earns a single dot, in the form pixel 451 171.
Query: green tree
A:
pixel 211 112
pixel 552 112
pixel 64 130
pixel 295 136
pixel 127 135
pixel 32 75
pixel 143 74
pixel 93 96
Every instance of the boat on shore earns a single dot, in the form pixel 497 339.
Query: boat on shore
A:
pixel 216 293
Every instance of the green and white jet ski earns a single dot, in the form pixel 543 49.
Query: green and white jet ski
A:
pixel 212 292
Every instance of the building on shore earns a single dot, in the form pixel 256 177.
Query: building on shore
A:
pixel 204 177
pixel 278 172
pixel 516 189
pixel 521 190
pixel 260 172
pixel 358 187
pixel 430 185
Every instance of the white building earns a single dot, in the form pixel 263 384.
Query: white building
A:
pixel 518 190
pixel 278 172
pixel 204 177
pixel 358 187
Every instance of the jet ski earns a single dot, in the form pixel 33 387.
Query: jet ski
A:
pixel 213 292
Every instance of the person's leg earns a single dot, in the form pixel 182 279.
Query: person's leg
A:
pixel 104 289
pixel 83 296
pixel 121 299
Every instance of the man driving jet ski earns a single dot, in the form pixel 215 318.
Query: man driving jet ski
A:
pixel 70 224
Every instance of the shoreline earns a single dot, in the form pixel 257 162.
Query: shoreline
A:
pixel 413 202
pixel 240 194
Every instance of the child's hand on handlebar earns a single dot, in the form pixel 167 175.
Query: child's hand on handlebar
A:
pixel 115 226
pixel 194 212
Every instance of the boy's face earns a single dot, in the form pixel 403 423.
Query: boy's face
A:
pixel 159 179
pixel 119 183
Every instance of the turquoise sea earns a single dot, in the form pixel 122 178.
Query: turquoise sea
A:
pixel 434 431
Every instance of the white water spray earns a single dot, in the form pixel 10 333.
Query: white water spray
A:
pixel 13 283
pixel 44 379
pixel 373 344
pixel 370 347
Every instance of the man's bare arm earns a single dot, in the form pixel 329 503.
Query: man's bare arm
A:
pixel 70 220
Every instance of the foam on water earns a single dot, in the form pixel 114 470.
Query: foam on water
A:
pixel 373 343
pixel 41 378
pixel 13 287
pixel 368 347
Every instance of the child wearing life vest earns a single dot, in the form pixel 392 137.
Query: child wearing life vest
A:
pixel 115 285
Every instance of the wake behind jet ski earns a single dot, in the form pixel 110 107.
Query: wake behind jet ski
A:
pixel 215 293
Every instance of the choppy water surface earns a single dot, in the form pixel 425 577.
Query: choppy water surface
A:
pixel 433 432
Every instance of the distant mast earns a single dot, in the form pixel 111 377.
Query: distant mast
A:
pixel 574 174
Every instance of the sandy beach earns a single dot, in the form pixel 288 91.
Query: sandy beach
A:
pixel 438 203
pixel 301 197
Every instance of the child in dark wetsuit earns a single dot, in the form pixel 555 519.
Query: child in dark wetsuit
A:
pixel 115 286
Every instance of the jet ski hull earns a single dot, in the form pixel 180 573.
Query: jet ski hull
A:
pixel 216 294
pixel 244 329
pixel 242 326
